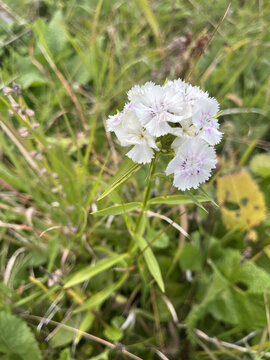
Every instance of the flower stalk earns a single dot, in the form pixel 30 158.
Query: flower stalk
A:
pixel 146 194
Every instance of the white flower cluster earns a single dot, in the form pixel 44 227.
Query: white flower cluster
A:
pixel 177 110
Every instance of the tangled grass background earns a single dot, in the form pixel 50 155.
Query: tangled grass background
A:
pixel 77 282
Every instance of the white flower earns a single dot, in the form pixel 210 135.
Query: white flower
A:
pixel 137 91
pixel 192 164
pixel 130 132
pixel 114 121
pixel 185 132
pixel 176 108
pixel 187 94
pixel 204 121
pixel 156 108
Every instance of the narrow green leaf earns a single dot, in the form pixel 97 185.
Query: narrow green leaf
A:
pixel 101 296
pixel 150 18
pixel 208 197
pixel 92 270
pixel 195 200
pixel 118 209
pixel 177 200
pixel 150 260
pixel 86 323
pixel 127 169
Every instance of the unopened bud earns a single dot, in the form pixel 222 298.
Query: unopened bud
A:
pixel 38 156
pixel 16 88
pixel 16 107
pixel 23 131
pixel 35 125
pixel 29 112
pixel 7 91
pixel 43 171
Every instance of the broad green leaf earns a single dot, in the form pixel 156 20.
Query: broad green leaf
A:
pixel 218 284
pixel 64 336
pixel 113 333
pixel 177 200
pixel 92 270
pixel 237 307
pixel 30 75
pixel 161 239
pixel 33 78
pixel 102 356
pixel 127 169
pixel 190 258
pixel 86 323
pixel 55 33
pixel 118 209
pixel 102 295
pixel 260 164
pixel 255 278
pixel 16 339
pixel 150 260
pixel 65 355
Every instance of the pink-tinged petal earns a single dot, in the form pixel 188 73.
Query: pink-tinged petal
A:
pixel 192 164
pixel 211 135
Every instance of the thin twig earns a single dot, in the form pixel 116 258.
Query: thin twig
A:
pixel 226 344
pixel 247 337
pixel 14 38
pixel 18 18
pixel 170 221
pixel 86 335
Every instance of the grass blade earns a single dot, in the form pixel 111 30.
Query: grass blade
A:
pixel 150 260
pixel 118 209
pixel 127 169
pixel 90 271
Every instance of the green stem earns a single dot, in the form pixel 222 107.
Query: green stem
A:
pixel 147 194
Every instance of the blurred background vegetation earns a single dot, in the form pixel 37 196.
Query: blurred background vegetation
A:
pixel 65 66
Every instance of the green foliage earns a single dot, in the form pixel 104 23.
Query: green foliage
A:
pixel 102 295
pixel 90 271
pixel 65 355
pixel 79 245
pixel 118 209
pixel 150 260
pixel 127 169
pixel 190 258
pixel 63 336
pixel 260 164
pixel 16 339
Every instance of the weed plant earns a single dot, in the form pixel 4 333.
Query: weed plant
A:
pixel 73 285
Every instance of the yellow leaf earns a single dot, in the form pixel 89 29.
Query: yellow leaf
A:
pixel 242 203
pixel 252 236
